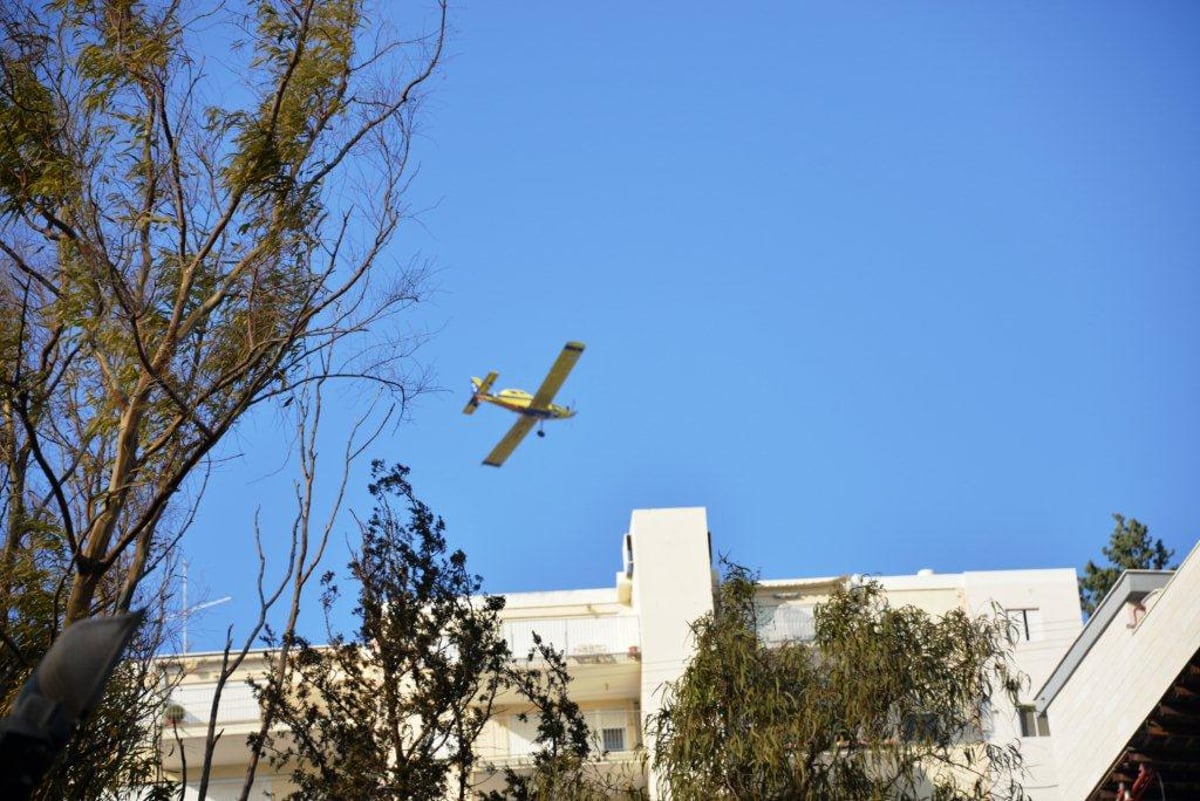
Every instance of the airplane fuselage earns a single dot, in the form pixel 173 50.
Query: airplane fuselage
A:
pixel 518 400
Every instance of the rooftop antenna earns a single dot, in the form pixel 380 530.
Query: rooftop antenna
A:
pixel 189 611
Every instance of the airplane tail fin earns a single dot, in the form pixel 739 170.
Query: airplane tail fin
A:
pixel 481 388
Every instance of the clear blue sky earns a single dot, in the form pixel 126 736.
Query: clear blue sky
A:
pixel 882 286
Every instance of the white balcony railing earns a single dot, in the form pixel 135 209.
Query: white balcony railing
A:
pixel 238 704
pixel 582 638
pixel 786 623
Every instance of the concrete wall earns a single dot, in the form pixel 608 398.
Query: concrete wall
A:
pixel 672 586
pixel 1116 685
pixel 562 603
pixel 1055 596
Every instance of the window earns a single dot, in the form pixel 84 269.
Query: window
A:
pixel 1033 724
pixel 613 739
pixel 609 729
pixel 1025 625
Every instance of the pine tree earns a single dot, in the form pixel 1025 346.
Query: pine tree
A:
pixel 1129 548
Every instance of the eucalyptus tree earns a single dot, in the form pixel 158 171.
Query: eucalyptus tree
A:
pixel 884 703
pixel 180 235
pixel 196 202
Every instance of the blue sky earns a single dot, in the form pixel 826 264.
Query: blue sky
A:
pixel 882 286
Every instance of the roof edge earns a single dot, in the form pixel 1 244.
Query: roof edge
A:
pixel 1132 586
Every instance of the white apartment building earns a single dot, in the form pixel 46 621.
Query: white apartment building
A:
pixel 625 641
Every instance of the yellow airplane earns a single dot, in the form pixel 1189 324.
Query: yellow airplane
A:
pixel 534 409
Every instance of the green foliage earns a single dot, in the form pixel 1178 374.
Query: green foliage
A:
pixel 1129 548
pixel 165 265
pixel 393 713
pixel 884 703
pixel 275 142
pixel 35 165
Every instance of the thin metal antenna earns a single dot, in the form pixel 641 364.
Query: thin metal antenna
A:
pixel 189 611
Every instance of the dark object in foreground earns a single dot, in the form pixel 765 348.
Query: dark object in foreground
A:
pixel 66 685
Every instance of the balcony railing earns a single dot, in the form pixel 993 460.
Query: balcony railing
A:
pixel 582 639
pixel 786 623
pixel 238 704
pixel 612 731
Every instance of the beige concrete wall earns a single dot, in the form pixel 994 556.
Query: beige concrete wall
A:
pixel 563 603
pixel 1054 593
pixel 1115 687
pixel 1055 596
pixel 672 586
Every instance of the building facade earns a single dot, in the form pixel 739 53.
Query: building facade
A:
pixel 625 642
pixel 1124 703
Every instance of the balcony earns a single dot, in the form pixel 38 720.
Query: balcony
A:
pixel 186 719
pixel 603 654
pixel 238 704
pixel 615 740
pixel 583 640
pixel 786 623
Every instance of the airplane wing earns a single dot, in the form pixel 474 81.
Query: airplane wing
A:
pixel 511 440
pixel 557 375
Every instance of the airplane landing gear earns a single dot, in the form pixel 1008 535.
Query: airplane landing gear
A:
pixel 541 433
